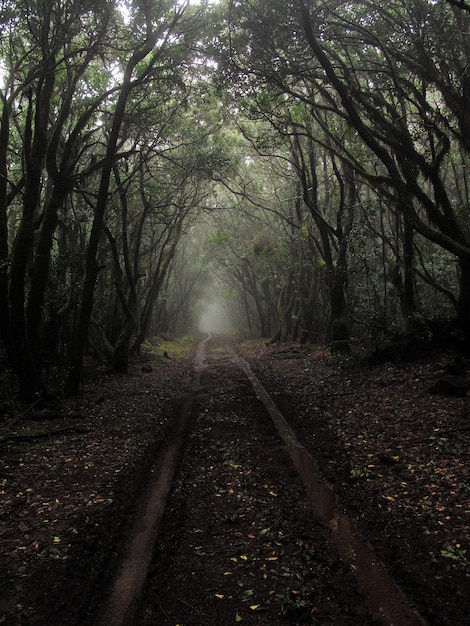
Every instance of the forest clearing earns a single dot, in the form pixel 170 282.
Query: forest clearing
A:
pixel 239 541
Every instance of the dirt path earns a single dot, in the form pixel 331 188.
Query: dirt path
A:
pixel 247 529
pixel 384 598
pixel 271 534
pixel 126 588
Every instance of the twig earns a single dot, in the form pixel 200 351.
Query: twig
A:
pixel 456 429
pixel 168 619
pixel 228 548
pixel 45 435
pixel 440 434
pixel 193 608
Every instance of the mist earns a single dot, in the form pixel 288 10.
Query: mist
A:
pixel 214 320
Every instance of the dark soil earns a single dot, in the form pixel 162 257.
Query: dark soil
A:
pixel 396 453
pixel 240 542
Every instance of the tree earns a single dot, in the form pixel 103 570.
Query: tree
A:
pixel 137 69
pixel 46 49
pixel 79 78
pixel 411 113
pixel 382 71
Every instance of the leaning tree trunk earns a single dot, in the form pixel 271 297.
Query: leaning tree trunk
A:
pixel 60 174
pixel 81 332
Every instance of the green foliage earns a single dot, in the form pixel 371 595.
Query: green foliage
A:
pixel 218 237
pixel 360 473
pixel 456 554
pixel 305 161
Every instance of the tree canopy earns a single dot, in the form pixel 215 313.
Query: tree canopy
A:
pixel 302 165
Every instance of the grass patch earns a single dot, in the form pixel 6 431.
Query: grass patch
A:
pixel 174 348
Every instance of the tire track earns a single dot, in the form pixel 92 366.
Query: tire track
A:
pixel 385 599
pixel 126 589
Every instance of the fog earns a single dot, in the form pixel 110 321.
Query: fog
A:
pixel 214 320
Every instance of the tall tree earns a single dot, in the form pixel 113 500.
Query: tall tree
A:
pixel 144 60
pixel 45 50
pixel 411 112
pixel 402 90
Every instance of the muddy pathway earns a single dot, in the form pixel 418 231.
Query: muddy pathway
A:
pixel 250 531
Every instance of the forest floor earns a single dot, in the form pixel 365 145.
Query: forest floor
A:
pixel 239 541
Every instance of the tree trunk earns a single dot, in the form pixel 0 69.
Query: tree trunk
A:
pixel 158 280
pixel 339 326
pixel 80 336
pixel 61 188
pixel 121 357
pixel 409 299
pixel 129 82
pixel 122 345
pixel 463 304
pixel 40 274
pixel 122 348
pixel 247 313
pixel 5 329
pixel 35 146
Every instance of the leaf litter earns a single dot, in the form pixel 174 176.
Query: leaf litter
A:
pixel 396 455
